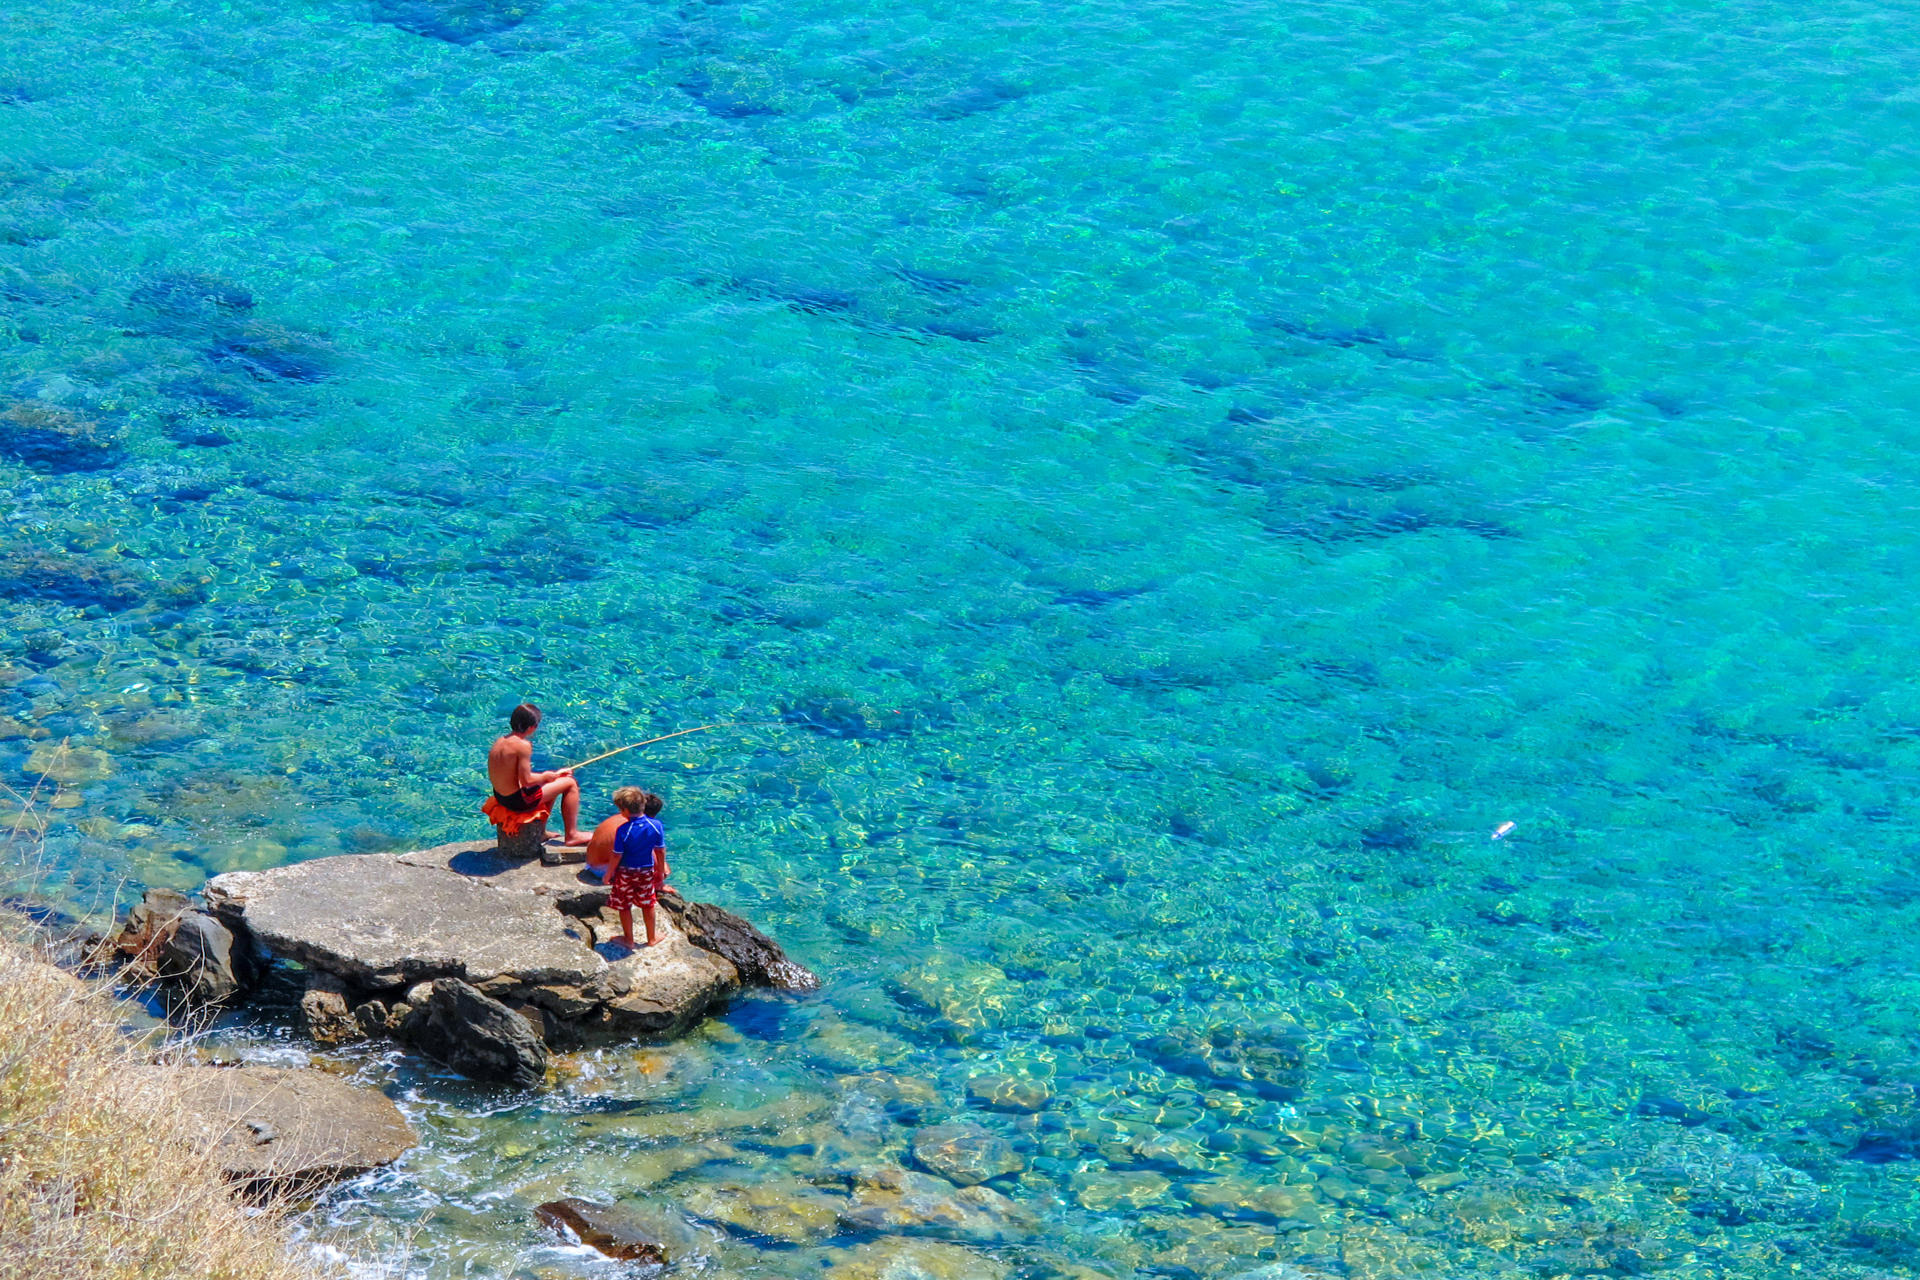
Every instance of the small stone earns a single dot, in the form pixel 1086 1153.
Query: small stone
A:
pixel 965 1154
pixel 1010 1093
pixel 898 1259
pixel 324 1009
pixel 616 1232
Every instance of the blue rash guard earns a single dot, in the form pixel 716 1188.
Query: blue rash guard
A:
pixel 635 842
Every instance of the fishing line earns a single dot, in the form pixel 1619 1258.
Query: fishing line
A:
pixel 725 724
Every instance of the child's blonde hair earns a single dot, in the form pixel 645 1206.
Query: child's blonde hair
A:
pixel 629 799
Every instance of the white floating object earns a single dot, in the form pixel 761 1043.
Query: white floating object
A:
pixel 1500 832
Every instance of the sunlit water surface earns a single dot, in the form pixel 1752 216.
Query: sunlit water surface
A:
pixel 1178 476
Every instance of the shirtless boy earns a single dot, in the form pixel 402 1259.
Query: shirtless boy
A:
pixel 515 784
pixel 632 848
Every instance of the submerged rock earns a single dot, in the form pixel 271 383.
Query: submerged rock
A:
pixel 288 1130
pixel 27 574
pixel 49 438
pixel 475 1034
pixel 455 21
pixel 1021 1094
pixel 898 1259
pixel 894 1200
pixel 614 1231
pixel 788 1212
pixel 965 1154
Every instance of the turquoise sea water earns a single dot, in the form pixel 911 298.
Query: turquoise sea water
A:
pixel 1178 476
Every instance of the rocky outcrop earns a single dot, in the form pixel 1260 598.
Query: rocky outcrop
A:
pixel 455 949
pixel 280 1131
pixel 608 1228
pixel 474 1034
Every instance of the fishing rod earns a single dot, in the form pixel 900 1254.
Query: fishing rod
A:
pixel 725 724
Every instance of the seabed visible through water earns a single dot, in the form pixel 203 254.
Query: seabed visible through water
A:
pixel 1179 477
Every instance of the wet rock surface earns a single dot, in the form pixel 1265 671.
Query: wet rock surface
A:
pixel 616 1232
pixel 280 1130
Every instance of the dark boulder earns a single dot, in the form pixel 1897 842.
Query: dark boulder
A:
pixel 759 958
pixel 475 1034
pixel 198 958
pixel 608 1228
pixel 194 957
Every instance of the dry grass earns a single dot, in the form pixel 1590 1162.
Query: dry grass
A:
pixel 102 1175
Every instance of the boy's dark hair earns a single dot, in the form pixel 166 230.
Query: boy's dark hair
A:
pixel 524 717
pixel 650 804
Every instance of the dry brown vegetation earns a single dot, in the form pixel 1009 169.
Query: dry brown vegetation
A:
pixel 102 1175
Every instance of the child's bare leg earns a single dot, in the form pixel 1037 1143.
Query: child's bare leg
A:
pixel 626 926
pixel 646 914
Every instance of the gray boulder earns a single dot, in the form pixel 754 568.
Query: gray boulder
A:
pixel 476 1035
pixel 197 959
pixel 279 1131
pixel 528 936
pixel 759 958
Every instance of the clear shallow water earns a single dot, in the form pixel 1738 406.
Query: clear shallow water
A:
pixel 1185 473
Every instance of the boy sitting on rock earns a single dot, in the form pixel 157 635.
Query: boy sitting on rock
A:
pixel 632 850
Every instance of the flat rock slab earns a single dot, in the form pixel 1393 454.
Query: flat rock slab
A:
pixel 515 931
pixel 288 1129
pixel 378 920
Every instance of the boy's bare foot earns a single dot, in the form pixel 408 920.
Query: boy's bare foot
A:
pixel 654 942
pixel 631 945
pixel 575 838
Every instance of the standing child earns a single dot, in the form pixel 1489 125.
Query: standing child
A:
pixel 641 868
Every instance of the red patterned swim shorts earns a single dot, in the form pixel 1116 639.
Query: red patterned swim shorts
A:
pixel 632 888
